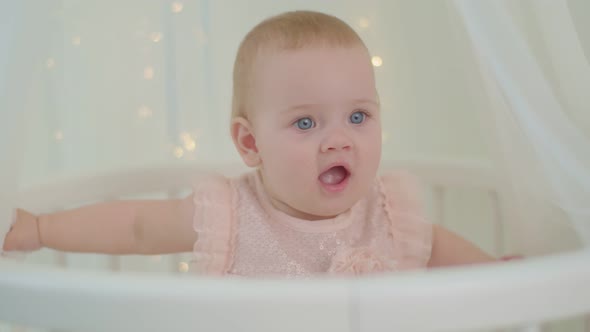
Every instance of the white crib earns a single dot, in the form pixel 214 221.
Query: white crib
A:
pixel 56 291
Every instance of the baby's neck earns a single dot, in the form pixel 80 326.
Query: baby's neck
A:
pixel 285 208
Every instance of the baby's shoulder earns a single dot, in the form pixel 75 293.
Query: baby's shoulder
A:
pixel 220 187
pixel 401 188
pixel 209 181
pixel 211 188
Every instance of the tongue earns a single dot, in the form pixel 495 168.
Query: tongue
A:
pixel 334 175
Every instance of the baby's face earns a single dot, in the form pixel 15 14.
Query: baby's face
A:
pixel 316 122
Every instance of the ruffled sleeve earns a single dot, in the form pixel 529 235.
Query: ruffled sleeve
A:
pixel 214 222
pixel 411 232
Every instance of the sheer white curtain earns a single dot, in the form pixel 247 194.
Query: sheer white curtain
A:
pixel 539 103
pixel 22 43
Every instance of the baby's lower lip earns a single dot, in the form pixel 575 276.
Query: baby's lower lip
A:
pixel 335 188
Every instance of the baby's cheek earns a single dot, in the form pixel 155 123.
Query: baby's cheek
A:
pixel 294 153
pixel 372 144
pixel 288 154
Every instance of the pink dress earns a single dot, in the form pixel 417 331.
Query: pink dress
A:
pixel 241 234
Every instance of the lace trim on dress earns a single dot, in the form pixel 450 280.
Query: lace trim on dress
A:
pixel 412 234
pixel 214 223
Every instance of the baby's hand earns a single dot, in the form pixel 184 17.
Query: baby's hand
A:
pixel 24 233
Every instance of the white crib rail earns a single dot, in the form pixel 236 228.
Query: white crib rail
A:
pixel 75 189
pixel 82 188
pixel 492 296
pixel 483 297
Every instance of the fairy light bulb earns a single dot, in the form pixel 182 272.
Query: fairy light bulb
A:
pixel 190 145
pixel 59 135
pixel 148 73
pixel 50 63
pixel 177 7
pixel 188 141
pixel 156 37
pixel 183 267
pixel 76 41
pixel 178 152
pixel 377 61
pixel 363 22
pixel 144 112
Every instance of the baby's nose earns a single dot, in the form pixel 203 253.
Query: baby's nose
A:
pixel 335 142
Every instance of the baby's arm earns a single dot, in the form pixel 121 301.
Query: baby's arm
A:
pixel 450 249
pixel 119 227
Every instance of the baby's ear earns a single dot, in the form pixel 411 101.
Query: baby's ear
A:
pixel 245 142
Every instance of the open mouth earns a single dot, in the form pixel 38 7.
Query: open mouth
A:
pixel 335 178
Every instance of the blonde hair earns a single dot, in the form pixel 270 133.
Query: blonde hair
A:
pixel 287 31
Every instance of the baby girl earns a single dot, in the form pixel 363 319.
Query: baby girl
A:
pixel 306 117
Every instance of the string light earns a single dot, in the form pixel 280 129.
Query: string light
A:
pixel 59 136
pixel 183 267
pixel 177 7
pixel 148 73
pixel 50 63
pixel 363 22
pixel 188 141
pixel 377 61
pixel 76 41
pixel 156 36
pixel 178 152
pixel 190 145
pixel 144 112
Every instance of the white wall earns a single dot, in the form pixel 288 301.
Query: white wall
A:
pixel 88 90
pixel 83 110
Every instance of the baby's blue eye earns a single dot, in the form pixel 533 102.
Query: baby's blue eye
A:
pixel 305 123
pixel 357 117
